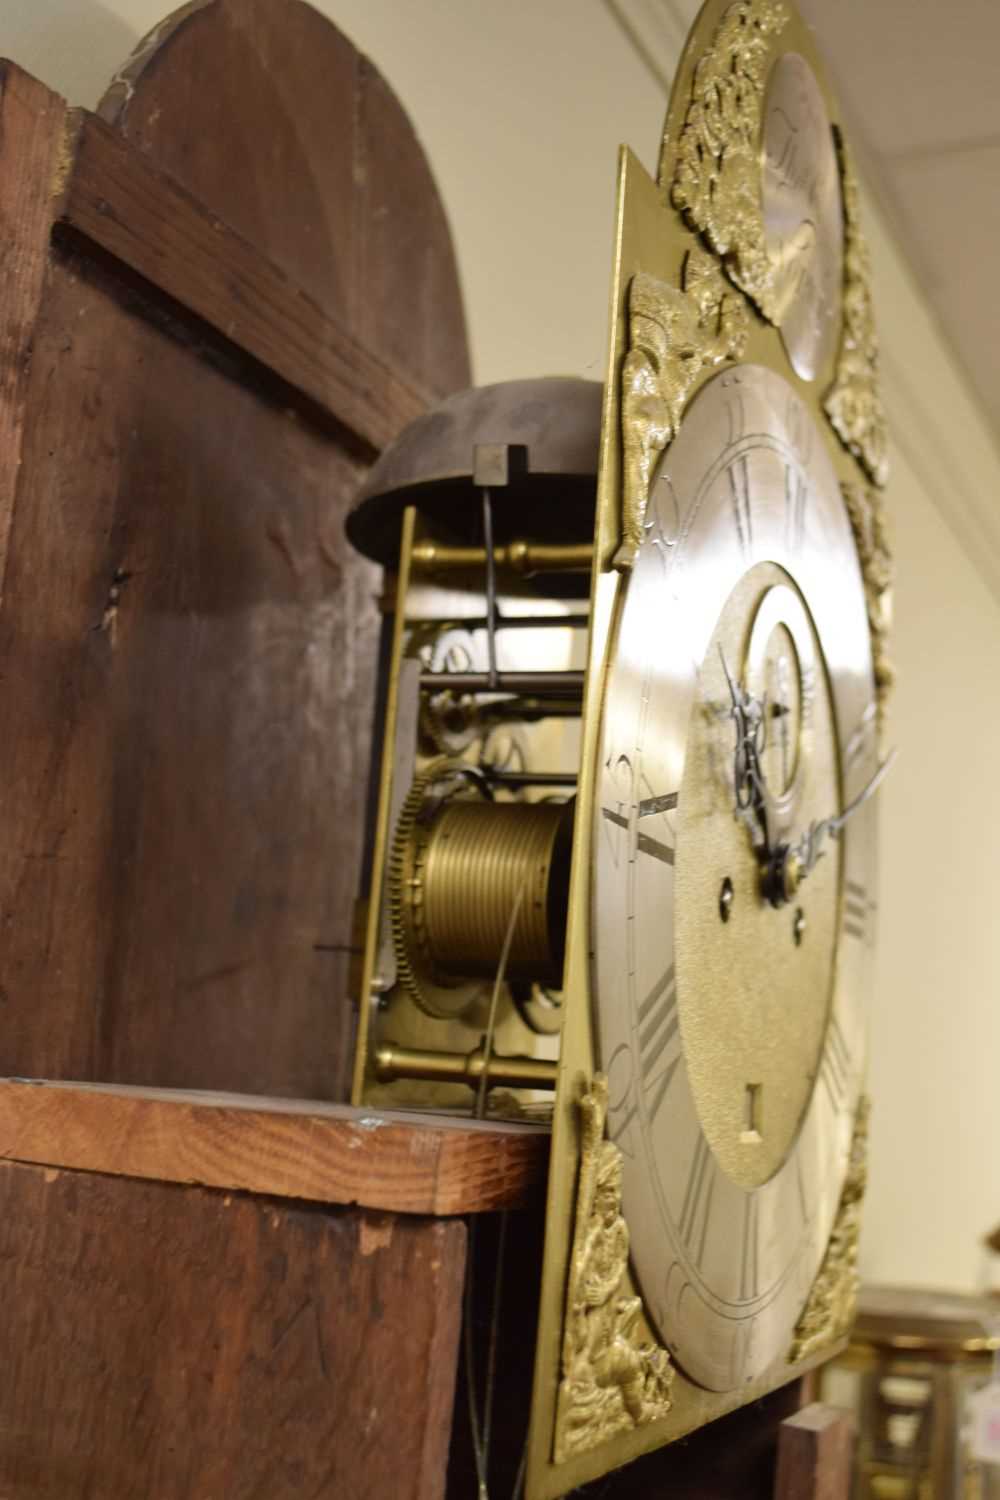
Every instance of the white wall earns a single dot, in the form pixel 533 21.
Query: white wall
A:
pixel 521 107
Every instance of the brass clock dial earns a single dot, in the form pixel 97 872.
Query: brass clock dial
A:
pixel 623 874
pixel 801 211
pixel 731 1032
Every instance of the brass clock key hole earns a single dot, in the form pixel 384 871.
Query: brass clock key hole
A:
pixel 751 1135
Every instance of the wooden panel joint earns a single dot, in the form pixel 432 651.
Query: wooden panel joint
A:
pixel 111 199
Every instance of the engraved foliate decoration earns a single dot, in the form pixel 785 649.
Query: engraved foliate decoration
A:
pixel 673 336
pixel 853 403
pixel 717 180
pixel 866 509
pixel 613 1380
pixel 802 214
pixel 829 1313
pixel 756 173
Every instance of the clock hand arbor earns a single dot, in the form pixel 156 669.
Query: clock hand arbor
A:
pixel 784 866
pixel 789 864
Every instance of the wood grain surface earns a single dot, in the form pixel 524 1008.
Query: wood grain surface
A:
pixel 815 1455
pixel 32 125
pixel 187 642
pixel 122 205
pixel 267 114
pixel 324 1153
pixel 187 646
pixel 178 1344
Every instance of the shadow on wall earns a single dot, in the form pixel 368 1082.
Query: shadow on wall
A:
pixel 75 46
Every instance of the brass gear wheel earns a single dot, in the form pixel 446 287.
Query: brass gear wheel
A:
pixel 413 968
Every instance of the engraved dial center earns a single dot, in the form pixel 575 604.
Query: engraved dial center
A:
pixel 753 1002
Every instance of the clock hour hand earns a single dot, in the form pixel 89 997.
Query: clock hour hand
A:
pixel 749 788
pixel 789 864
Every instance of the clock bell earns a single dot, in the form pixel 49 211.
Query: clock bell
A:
pixel 624 856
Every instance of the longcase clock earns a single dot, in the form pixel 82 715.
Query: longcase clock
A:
pixel 626 842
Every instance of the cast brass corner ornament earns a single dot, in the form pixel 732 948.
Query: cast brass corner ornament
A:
pixel 716 177
pixel 866 509
pixel 612 1381
pixel 674 333
pixel 853 402
pixel 829 1313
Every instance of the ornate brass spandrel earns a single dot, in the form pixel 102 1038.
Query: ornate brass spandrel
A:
pixel 854 403
pixel 674 334
pixel 612 1379
pixel 717 169
pixel 829 1312
pixel 866 508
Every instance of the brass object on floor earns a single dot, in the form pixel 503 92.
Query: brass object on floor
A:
pixel 915 1358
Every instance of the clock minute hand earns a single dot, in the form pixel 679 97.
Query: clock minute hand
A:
pixel 749 787
pixel 791 863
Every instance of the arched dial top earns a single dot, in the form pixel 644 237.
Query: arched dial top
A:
pixel 802 214
pixel 731 1031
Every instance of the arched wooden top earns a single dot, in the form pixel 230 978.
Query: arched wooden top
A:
pixel 267 114
pixel 223 299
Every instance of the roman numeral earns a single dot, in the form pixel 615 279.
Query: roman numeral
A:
pixel 739 492
pixel 736 412
pixel 697 1205
pixel 645 843
pixel 620 771
pixel 856 909
pixel 749 1249
pixel 650 805
pixel 658 1024
pixel 834 1068
pixel 861 739
pixel 796 494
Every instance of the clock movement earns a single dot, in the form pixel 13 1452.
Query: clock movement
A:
pixel 623 867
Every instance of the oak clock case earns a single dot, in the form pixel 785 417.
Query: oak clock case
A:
pixel 624 851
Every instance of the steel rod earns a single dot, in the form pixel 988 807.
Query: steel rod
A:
pixel 531 710
pixel 530 778
pixel 491 587
pixel 505 622
pixel 558 683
